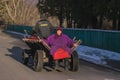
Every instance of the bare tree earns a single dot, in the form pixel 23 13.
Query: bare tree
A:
pixel 21 12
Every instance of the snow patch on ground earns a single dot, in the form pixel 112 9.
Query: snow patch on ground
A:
pixel 96 55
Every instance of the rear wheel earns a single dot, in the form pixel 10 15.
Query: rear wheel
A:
pixel 25 57
pixel 74 61
pixel 38 60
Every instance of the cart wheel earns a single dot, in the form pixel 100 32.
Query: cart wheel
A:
pixel 74 63
pixel 24 57
pixel 38 60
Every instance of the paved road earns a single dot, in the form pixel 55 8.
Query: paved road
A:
pixel 11 67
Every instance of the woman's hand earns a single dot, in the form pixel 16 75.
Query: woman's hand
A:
pixel 75 45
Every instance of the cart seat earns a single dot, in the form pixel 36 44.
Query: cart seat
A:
pixel 34 37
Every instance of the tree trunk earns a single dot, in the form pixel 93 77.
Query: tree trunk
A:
pixel 114 24
pixel 101 22
pixel 61 16
pixel 119 22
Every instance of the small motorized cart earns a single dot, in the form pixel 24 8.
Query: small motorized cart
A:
pixel 40 53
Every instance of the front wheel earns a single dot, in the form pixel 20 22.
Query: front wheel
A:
pixel 38 60
pixel 74 64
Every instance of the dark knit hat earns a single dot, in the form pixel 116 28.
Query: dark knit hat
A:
pixel 59 28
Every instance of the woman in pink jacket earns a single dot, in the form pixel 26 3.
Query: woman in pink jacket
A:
pixel 60 44
pixel 60 40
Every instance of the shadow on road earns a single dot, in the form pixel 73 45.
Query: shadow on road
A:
pixel 16 53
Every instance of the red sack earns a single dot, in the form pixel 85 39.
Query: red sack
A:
pixel 61 54
pixel 33 37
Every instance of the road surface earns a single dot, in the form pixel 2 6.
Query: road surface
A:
pixel 11 67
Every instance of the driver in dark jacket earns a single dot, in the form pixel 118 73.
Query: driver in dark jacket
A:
pixel 43 28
